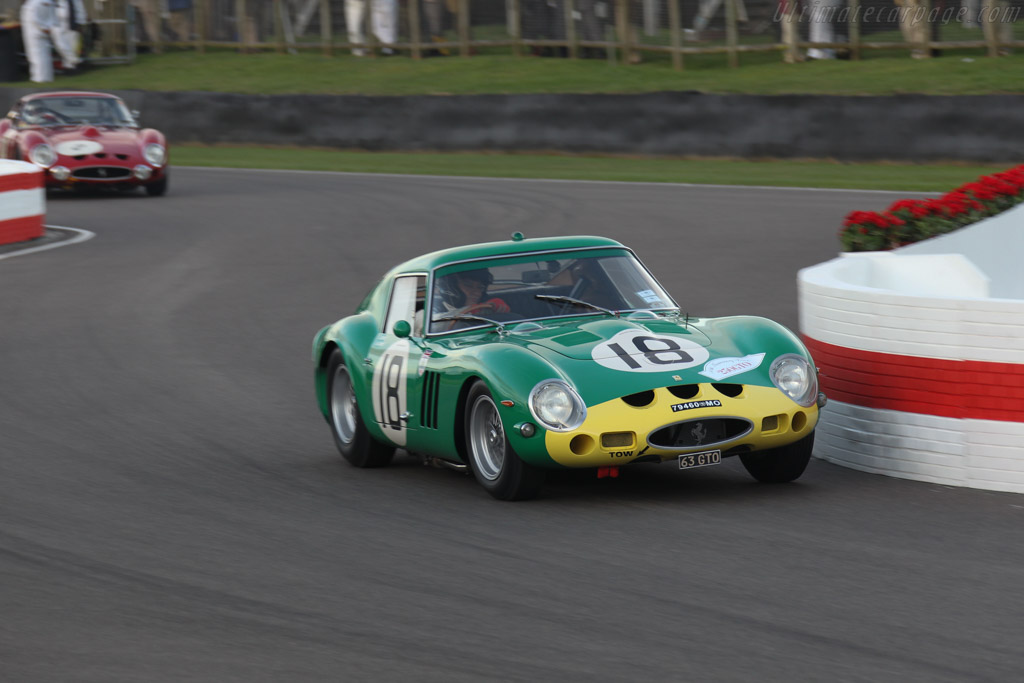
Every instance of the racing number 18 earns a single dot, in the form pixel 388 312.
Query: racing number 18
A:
pixel 655 356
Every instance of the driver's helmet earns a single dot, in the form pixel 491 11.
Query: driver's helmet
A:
pixel 448 286
pixel 30 113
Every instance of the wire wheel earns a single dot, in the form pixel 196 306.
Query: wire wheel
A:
pixel 344 413
pixel 486 438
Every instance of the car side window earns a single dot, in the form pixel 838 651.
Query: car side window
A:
pixel 407 296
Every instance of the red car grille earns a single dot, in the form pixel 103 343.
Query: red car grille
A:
pixel 102 173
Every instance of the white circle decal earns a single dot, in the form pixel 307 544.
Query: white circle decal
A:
pixel 390 391
pixel 643 351
pixel 77 148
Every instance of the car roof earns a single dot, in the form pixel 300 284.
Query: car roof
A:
pixel 508 247
pixel 66 93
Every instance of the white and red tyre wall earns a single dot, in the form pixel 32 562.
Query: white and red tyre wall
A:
pixel 921 353
pixel 22 201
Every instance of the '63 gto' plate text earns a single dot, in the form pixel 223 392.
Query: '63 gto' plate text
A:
pixel 704 459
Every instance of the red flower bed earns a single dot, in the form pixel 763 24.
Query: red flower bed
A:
pixel 913 220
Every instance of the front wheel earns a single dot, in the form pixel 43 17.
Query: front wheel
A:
pixel 495 465
pixel 158 188
pixel 780 465
pixel 351 437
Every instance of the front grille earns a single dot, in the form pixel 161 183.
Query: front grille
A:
pixel 103 173
pixel 697 433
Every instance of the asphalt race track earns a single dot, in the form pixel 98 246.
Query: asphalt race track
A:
pixel 172 507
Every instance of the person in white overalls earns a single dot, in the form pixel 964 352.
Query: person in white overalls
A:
pixel 65 38
pixel 385 23
pixel 37 21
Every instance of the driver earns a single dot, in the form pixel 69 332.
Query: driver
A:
pixel 466 292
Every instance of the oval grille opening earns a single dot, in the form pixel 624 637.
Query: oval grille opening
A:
pixel 639 399
pixel 696 433
pixel 684 391
pixel 730 390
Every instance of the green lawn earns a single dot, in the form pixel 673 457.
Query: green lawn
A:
pixel 887 72
pixel 903 177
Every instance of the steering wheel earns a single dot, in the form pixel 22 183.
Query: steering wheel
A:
pixel 50 116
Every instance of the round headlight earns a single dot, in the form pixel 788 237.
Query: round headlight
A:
pixel 557 406
pixel 42 155
pixel 155 154
pixel 795 377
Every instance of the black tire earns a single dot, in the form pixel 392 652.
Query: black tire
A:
pixel 350 434
pixel 159 187
pixel 494 464
pixel 780 465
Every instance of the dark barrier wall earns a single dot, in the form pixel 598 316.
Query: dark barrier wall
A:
pixel 899 128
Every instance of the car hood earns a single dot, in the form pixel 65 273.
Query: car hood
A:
pixel 109 140
pixel 606 337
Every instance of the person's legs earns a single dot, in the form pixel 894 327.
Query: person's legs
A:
pixel 355 14
pixel 385 22
pixel 40 58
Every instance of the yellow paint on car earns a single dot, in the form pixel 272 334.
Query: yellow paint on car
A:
pixel 777 421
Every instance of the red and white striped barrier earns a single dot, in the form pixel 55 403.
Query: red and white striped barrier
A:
pixel 921 353
pixel 22 201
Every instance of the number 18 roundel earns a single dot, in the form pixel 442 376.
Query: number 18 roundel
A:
pixel 643 351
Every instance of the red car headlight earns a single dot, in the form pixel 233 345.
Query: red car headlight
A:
pixel 43 155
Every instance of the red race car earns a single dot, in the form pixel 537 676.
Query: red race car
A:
pixel 85 140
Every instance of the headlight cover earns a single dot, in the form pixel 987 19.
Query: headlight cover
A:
pixel 43 155
pixel 795 377
pixel 155 154
pixel 557 406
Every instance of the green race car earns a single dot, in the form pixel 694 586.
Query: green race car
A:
pixel 513 358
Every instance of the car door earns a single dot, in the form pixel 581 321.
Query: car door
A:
pixel 395 361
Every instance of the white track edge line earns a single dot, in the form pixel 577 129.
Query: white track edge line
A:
pixel 82 236
pixel 562 180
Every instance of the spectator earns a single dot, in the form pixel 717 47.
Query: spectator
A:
pixel 995 23
pixel 70 15
pixel 434 13
pixel 38 21
pixel 822 29
pixel 590 27
pixel 914 25
pixel 153 12
pixel 544 20
pixel 385 24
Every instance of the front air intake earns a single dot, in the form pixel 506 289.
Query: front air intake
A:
pixel 698 433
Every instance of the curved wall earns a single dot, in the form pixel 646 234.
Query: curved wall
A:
pixel 923 363
pixel 22 201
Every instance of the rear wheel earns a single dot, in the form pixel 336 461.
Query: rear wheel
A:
pixel 495 465
pixel 780 465
pixel 350 434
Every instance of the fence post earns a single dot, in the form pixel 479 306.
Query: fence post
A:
pixel 414 28
pixel 622 26
pixel 463 22
pixel 731 32
pixel 201 13
pixel 278 29
pixel 926 30
pixel 855 29
pixel 570 29
pixel 515 29
pixel 240 20
pixel 326 28
pixel 676 33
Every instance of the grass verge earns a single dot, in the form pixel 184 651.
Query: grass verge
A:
pixel 824 174
pixel 957 72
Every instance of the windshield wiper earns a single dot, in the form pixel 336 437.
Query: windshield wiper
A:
pixel 463 316
pixel 577 302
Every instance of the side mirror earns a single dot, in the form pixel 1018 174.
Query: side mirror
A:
pixel 135 114
pixel 402 329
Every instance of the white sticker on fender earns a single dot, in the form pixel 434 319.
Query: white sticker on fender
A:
pixel 77 148
pixel 642 351
pixel 390 391
pixel 720 368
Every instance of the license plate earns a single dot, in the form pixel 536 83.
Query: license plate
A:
pixel 704 459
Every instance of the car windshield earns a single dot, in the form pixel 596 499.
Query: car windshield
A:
pixel 65 111
pixel 539 286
